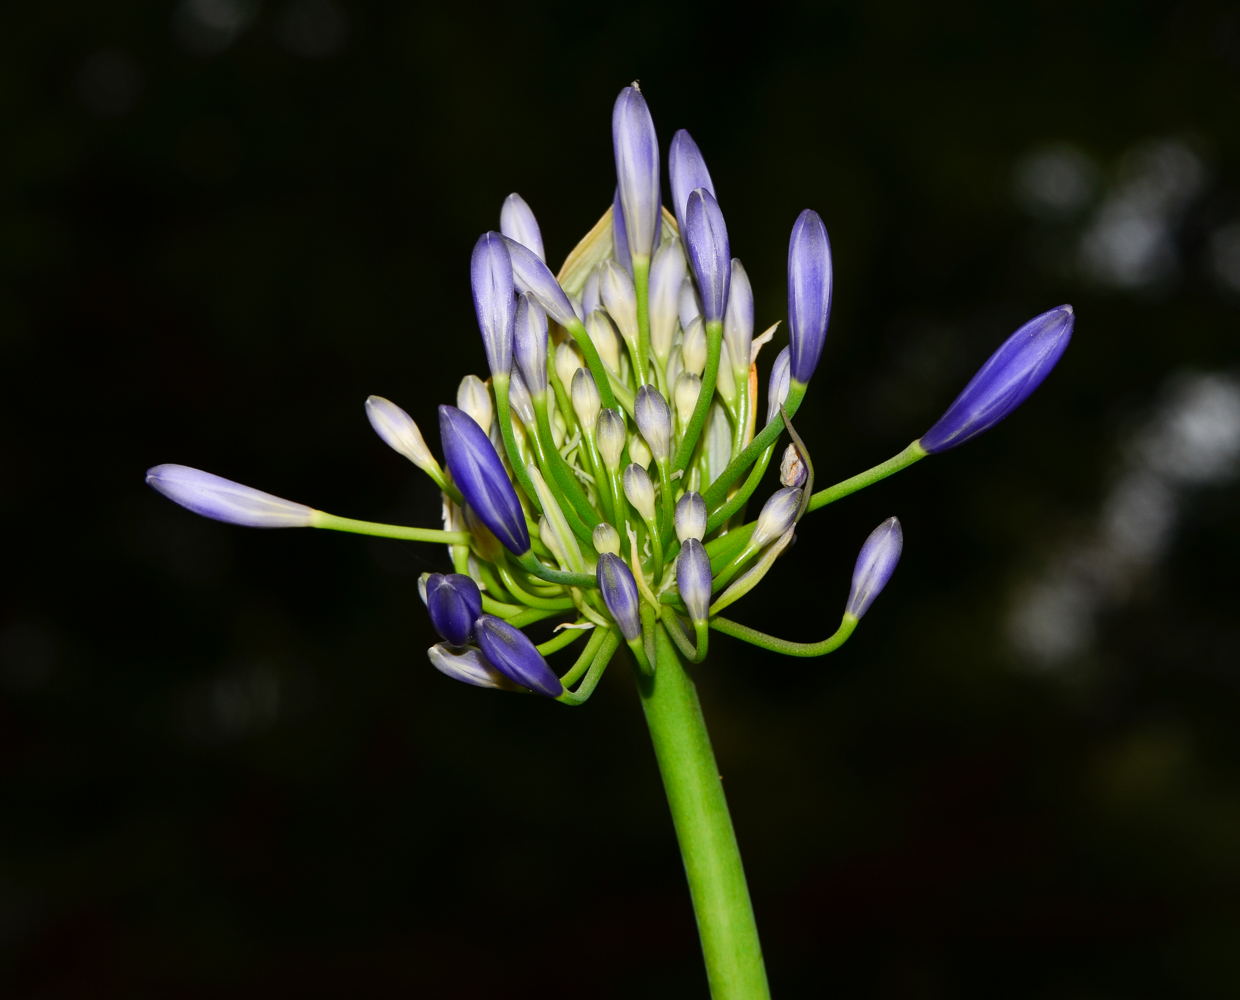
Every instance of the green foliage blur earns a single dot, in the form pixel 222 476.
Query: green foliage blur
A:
pixel 226 766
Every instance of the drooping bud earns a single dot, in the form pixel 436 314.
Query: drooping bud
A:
pixel 710 256
pixel 519 398
pixel 654 420
pixel 609 433
pixel 479 474
pixel 637 170
pixel 1005 381
pixel 567 361
pixel 531 275
pixel 513 655
pixel 688 303
pixel 606 538
pixel 530 343
pixel 688 388
pixel 400 433
pixel 693 579
pixel 667 274
pixel 616 289
pixel 875 564
pixel 639 451
pixel 693 350
pixel 223 500
pixel 517 222
pixel 690 517
pixel 738 318
pixel 777 390
pixel 473 397
pixel 687 171
pixel 585 397
pixel 809 293
pixel 619 236
pixel 619 590
pixel 640 490
pixel 469 666
pixel 792 470
pixel 777 516
pixel 454 602
pixel 603 336
pixel 491 278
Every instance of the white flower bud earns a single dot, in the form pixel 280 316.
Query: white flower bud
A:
pixel 559 427
pixel 690 517
pixel 688 388
pixel 473 396
pixel 667 274
pixel 519 397
pixel 693 350
pixel 567 361
pixel 548 539
pixel 776 517
pixel 725 379
pixel 609 433
pixel 689 304
pixel 606 539
pixel 603 335
pixel 400 433
pixel 640 490
pixel 585 397
pixel 615 288
pixel 639 451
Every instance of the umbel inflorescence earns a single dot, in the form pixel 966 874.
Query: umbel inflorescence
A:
pixel 603 471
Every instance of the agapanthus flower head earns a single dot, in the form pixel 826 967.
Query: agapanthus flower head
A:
pixel 687 172
pixel 454 603
pixel 875 564
pixel 637 171
pixel 517 222
pixel 480 476
pixel 223 500
pixel 710 254
pixel 809 293
pixel 513 655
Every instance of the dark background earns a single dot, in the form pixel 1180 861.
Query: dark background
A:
pixel 226 767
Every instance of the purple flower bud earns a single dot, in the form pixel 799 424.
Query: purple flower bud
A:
pixel 667 274
pixel 468 666
pixel 530 343
pixel 687 172
pixel 777 390
pixel 1005 381
pixel 706 238
pixel 809 293
pixel 693 579
pixel 223 500
pixel 454 602
pixel 531 275
pixel 875 564
pixel 490 274
pixel 514 656
pixel 654 420
pixel 619 590
pixel 619 235
pixel 637 170
pixel 738 319
pixel 517 222
pixel 480 476
pixel 776 516
pixel 690 518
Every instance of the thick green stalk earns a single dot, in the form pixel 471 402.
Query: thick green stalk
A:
pixel 913 453
pixel 708 845
pixel 559 469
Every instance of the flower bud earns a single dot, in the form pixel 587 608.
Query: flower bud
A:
pixel 517 222
pixel 609 434
pixel 479 474
pixel 585 397
pixel 619 590
pixel 639 451
pixel 519 398
pixel 693 579
pixel 619 236
pixel 640 490
pixel 738 318
pixel 777 391
pixel 710 256
pixel 513 655
pixel 693 350
pixel 1005 381
pixel 474 398
pixel 725 377
pixel 690 517
pixel 654 420
pixel 491 278
pixel 559 427
pixel 531 275
pixel 875 564
pixel 603 336
pixel 223 500
pixel 637 170
pixel 400 433
pixel 606 538
pixel 567 361
pixel 688 388
pixel 777 516
pixel 589 293
pixel 667 274
pixel 530 343
pixel 547 534
pixel 469 666
pixel 688 303
pixel 809 293
pixel 792 470
pixel 454 602
pixel 676 363
pixel 687 171
pixel 619 296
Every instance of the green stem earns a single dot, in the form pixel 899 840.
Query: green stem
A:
pixel 607 649
pixel 913 453
pixel 577 331
pixel 641 282
pixel 828 645
pixel 322 519
pixel 765 438
pixel 559 470
pixel 714 345
pixel 741 497
pixel 708 845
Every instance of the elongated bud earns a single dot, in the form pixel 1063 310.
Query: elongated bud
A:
pixel 777 516
pixel 710 256
pixel 640 490
pixel 1005 381
pixel 777 390
pixel 567 361
pixel 517 222
pixel 637 170
pixel 690 517
pixel 453 601
pixel 530 343
pixel 667 274
pixel 619 235
pixel 589 293
pixel 792 471
pixel 619 590
pixel 875 564
pixel 547 533
pixel 809 293
pixel 609 433
pixel 514 656
pixel 687 172
pixel 491 278
pixel 615 287
pixel 478 473
pixel 639 451
pixel 738 318
pixel 689 303
pixel 693 350
pixel 531 275
pixel 676 363
pixel 522 404
pixel 400 433
pixel 474 398
pixel 603 336
pixel 693 579
pixel 654 420
pixel 606 538
pixel 469 666
pixel 688 388
pixel 223 500
pixel 585 397
pixel 725 377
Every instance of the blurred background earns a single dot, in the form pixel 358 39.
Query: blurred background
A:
pixel 226 766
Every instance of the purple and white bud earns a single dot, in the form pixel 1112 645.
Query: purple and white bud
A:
pixel 792 470
pixel 777 516
pixel 517 222
pixel 606 538
pixel 522 404
pixel 491 279
pixel 809 293
pixel 454 602
pixel 687 172
pixel 688 303
pixel 777 390
pixel 688 388
pixel 738 318
pixel 693 579
pixel 693 349
pixel 875 564
pixel 667 274
pixel 529 340
pixel 690 517
pixel 589 293
pixel 619 236
pixel 610 434
pixel 654 420
pixel 567 361
pixel 223 500
pixel 616 289
pixel 531 275
pixel 586 401
pixel 640 490
pixel 637 171
pixel 469 666
pixel 603 336
pixel 400 433
pixel 513 655
pixel 474 398
pixel 619 590
pixel 480 476
pixel 710 255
